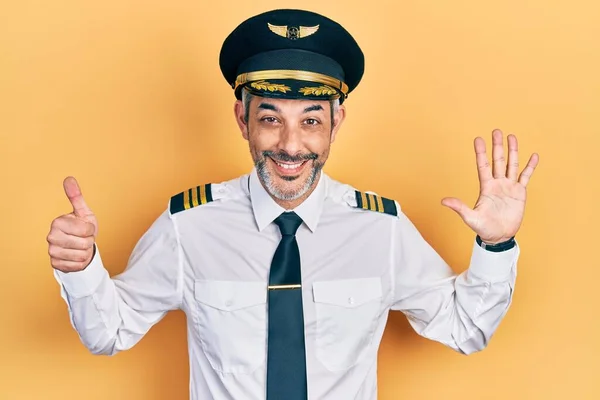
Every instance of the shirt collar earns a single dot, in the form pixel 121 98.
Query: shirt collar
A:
pixel 266 209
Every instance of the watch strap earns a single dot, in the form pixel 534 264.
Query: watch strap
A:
pixel 498 247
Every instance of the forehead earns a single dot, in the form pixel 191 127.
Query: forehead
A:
pixel 288 105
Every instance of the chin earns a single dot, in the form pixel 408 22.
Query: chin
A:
pixel 288 187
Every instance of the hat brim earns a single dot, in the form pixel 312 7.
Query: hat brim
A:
pixel 291 89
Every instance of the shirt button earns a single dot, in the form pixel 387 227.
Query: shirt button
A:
pixel 350 300
pixel 229 303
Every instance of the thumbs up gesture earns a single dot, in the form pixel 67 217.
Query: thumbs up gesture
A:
pixel 72 236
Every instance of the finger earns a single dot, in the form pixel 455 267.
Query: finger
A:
pixel 528 171
pixel 498 158
pixel 512 169
pixel 68 266
pixel 61 239
pixel 73 192
pixel 59 253
pixel 460 208
pixel 483 165
pixel 74 226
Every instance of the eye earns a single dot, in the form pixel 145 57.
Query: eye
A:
pixel 312 121
pixel 269 120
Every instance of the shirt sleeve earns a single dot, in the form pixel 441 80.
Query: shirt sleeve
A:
pixel 461 311
pixel 111 315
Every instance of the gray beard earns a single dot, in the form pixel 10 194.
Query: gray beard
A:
pixel 265 177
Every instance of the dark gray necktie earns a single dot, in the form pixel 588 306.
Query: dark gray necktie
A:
pixel 286 357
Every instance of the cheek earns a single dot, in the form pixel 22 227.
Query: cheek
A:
pixel 262 139
pixel 317 142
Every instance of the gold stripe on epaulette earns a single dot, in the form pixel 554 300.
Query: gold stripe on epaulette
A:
pixel 203 194
pixel 379 204
pixel 186 200
pixel 372 203
pixel 365 205
pixel 195 197
pixel 191 198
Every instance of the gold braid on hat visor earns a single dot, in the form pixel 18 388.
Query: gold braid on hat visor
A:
pixel 291 74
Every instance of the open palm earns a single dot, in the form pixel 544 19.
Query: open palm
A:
pixel 499 210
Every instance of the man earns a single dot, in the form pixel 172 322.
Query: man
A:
pixel 286 275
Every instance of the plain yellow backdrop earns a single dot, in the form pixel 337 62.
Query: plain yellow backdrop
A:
pixel 127 96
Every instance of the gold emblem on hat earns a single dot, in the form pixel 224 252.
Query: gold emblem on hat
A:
pixel 318 90
pixel 293 32
pixel 271 87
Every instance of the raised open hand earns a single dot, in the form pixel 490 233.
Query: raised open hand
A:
pixel 498 213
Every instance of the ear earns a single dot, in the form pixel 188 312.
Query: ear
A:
pixel 338 119
pixel 238 110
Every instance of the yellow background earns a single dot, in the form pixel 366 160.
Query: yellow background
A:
pixel 127 96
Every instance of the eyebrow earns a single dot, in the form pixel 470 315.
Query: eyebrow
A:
pixel 268 106
pixel 271 107
pixel 316 107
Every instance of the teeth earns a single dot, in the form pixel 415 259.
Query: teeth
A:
pixel 289 166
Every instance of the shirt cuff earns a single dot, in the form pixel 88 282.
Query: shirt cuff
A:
pixel 493 266
pixel 83 283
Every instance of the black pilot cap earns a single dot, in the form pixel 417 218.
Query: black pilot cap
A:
pixel 293 54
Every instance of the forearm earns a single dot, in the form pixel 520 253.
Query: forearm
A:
pixel 99 312
pixel 93 304
pixel 478 319
pixel 463 311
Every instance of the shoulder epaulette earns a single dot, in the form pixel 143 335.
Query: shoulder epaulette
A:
pixel 373 202
pixel 191 198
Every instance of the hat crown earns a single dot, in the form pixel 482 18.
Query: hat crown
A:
pixel 293 40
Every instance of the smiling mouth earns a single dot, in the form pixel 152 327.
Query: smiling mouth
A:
pixel 289 168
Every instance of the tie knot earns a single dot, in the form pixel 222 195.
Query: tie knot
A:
pixel 288 223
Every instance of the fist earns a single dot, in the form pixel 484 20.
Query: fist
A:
pixel 72 236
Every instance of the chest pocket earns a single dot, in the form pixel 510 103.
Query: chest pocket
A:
pixel 347 312
pixel 231 320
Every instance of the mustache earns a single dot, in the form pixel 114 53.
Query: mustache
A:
pixel 285 157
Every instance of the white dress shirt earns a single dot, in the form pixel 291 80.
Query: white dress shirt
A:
pixel 212 261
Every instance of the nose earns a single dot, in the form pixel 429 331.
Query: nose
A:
pixel 290 140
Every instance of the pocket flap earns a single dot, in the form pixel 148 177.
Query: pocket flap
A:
pixel 347 293
pixel 230 295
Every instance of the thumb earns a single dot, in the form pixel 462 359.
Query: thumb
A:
pixel 80 208
pixel 460 208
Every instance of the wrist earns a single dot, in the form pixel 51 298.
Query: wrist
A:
pixel 503 245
